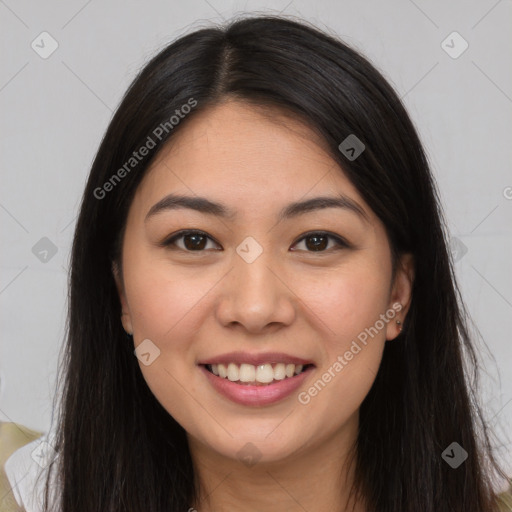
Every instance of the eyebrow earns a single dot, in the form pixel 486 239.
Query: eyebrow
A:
pixel 206 206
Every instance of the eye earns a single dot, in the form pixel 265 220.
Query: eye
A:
pixel 197 241
pixel 194 240
pixel 320 241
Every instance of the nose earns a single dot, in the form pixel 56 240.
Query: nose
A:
pixel 256 297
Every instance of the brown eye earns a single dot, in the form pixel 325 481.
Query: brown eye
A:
pixel 197 241
pixel 319 241
pixel 193 240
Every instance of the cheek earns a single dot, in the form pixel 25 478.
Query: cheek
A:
pixel 350 306
pixel 350 300
pixel 162 304
pixel 160 298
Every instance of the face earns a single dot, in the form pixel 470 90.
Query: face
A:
pixel 277 285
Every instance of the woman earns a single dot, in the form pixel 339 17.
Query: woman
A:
pixel 263 312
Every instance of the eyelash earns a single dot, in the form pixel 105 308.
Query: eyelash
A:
pixel 341 243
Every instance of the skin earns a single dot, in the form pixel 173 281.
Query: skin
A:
pixel 312 304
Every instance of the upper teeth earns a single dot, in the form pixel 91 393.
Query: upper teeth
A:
pixel 263 373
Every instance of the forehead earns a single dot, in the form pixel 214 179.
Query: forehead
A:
pixel 249 158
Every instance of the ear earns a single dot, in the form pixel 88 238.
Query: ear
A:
pixel 125 316
pixel 401 294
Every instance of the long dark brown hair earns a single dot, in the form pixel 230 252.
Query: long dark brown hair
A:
pixel 118 448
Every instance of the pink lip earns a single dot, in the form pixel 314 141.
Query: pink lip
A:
pixel 255 359
pixel 256 395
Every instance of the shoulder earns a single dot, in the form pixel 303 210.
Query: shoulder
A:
pixel 505 500
pixel 24 457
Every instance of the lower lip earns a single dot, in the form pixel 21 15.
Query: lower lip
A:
pixel 256 395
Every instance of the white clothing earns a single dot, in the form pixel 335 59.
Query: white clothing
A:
pixel 26 469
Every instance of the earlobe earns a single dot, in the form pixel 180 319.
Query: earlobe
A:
pixel 127 324
pixel 125 316
pixel 401 296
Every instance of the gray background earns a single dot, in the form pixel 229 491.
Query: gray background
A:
pixel 55 111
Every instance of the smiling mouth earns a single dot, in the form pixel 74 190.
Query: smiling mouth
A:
pixel 260 375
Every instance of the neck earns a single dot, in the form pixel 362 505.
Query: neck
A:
pixel 315 477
